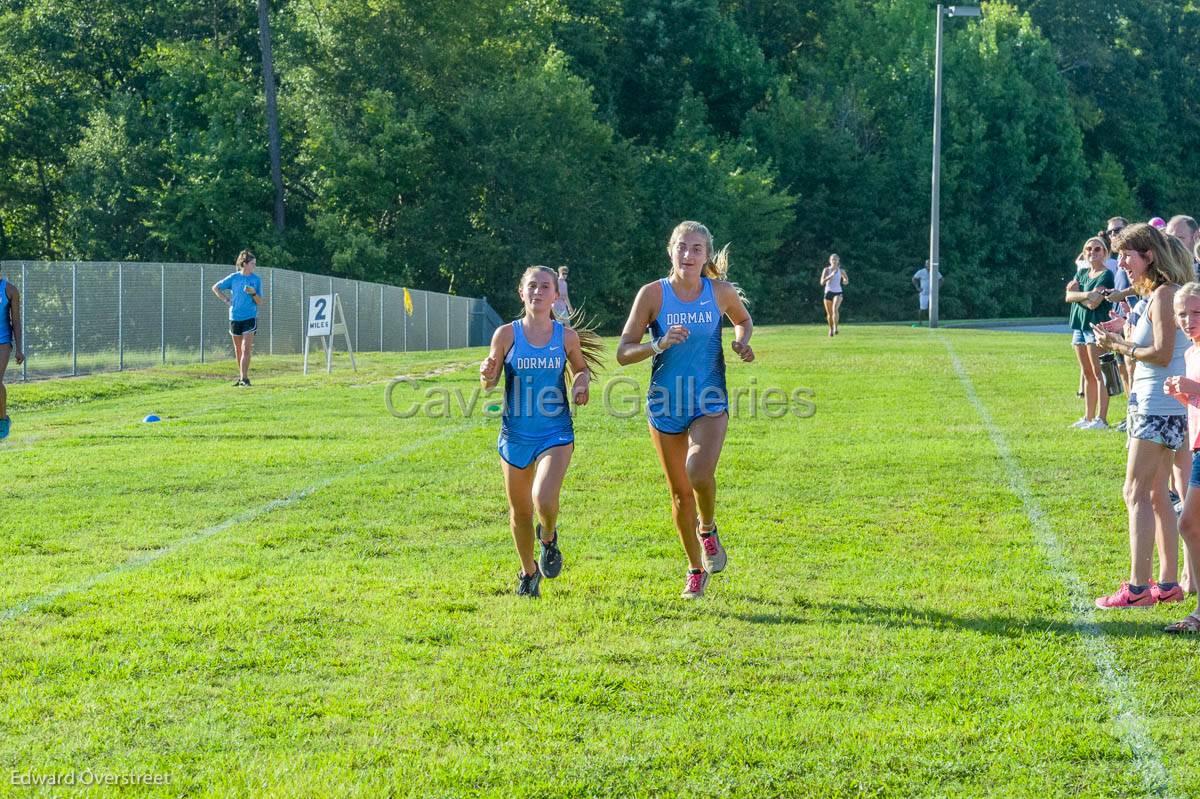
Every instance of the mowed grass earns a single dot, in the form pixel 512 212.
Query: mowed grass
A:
pixel 287 591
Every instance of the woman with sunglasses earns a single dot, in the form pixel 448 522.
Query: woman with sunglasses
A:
pixel 1086 293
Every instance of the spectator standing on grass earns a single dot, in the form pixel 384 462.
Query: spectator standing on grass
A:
pixel 245 295
pixel 10 344
pixel 1187 231
pixel 1120 298
pixel 1086 294
pixel 1186 389
pixel 1158 428
pixel 920 280
pixel 563 309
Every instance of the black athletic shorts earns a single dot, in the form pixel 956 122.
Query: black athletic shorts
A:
pixel 244 326
pixel 829 295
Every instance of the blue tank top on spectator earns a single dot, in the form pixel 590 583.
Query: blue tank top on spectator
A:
pixel 1148 378
pixel 687 380
pixel 243 306
pixel 535 390
pixel 5 322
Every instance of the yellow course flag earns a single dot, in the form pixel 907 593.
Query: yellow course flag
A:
pixel 407 303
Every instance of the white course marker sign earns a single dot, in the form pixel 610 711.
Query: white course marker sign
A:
pixel 326 320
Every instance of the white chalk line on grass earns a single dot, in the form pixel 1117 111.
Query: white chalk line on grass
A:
pixel 150 557
pixel 1130 725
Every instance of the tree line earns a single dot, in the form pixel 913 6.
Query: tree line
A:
pixel 447 144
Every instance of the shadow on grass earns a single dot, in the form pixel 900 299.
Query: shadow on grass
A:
pixel 1123 624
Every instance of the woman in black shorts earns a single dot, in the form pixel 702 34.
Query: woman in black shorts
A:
pixel 833 278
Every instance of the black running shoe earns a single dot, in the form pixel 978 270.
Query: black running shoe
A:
pixel 527 584
pixel 550 561
pixel 246 382
pixel 238 383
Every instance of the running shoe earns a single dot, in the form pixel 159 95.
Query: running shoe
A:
pixel 550 560
pixel 246 382
pixel 5 426
pixel 1172 594
pixel 1126 598
pixel 1097 424
pixel 239 382
pixel 1082 423
pixel 527 584
pixel 696 583
pixel 713 552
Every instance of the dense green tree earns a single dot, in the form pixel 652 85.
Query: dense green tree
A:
pixel 447 145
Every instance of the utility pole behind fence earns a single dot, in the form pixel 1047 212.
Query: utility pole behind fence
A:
pixel 74 318
pixel 202 314
pixel 120 317
pixel 24 324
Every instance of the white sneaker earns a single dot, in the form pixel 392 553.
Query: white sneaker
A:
pixel 696 583
pixel 712 552
pixel 1082 423
pixel 1096 424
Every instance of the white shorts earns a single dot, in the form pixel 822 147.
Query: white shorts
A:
pixel 924 300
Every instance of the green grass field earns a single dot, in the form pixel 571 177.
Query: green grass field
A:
pixel 286 591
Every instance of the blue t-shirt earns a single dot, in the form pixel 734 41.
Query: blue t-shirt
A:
pixel 243 306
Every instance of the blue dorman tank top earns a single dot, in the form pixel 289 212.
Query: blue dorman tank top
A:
pixel 692 373
pixel 535 390
pixel 5 322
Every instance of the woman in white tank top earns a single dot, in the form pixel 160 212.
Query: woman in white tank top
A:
pixel 1157 429
pixel 833 278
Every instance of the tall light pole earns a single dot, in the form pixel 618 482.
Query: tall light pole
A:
pixel 935 195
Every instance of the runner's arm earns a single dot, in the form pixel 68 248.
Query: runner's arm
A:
pixel 631 349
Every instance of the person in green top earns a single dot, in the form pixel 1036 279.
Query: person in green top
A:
pixel 1086 293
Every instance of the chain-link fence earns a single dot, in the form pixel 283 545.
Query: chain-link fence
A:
pixel 81 317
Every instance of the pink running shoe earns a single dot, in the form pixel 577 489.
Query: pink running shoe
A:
pixel 1170 595
pixel 696 583
pixel 714 554
pixel 1125 598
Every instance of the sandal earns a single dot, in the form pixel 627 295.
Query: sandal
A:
pixel 1187 625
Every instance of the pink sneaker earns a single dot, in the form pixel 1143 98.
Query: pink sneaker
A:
pixel 696 583
pixel 1125 598
pixel 1170 595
